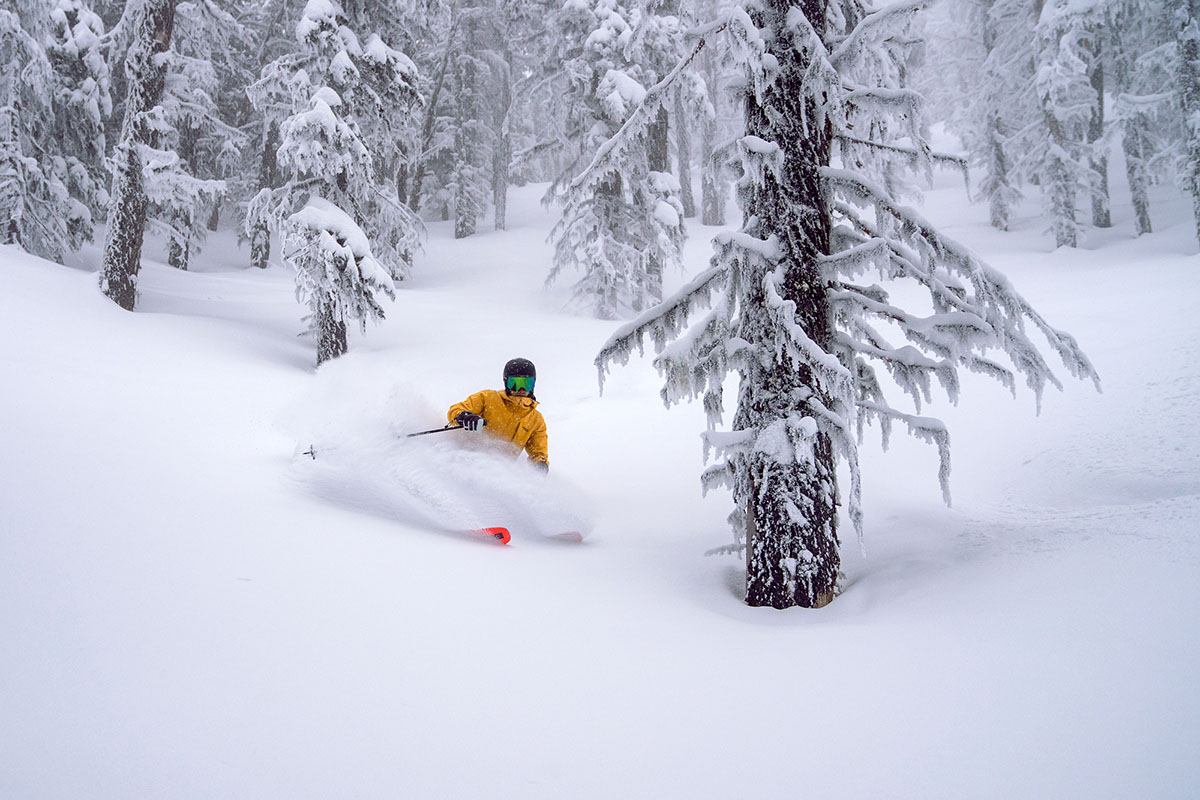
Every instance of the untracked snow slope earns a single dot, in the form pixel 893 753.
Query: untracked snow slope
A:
pixel 190 607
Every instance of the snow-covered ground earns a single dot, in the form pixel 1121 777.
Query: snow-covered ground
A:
pixel 192 608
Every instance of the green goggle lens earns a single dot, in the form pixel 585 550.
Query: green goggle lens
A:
pixel 519 383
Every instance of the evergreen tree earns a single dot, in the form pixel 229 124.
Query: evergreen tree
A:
pixel 198 127
pixel 788 309
pixel 621 220
pixel 337 209
pixel 53 98
pixel 82 104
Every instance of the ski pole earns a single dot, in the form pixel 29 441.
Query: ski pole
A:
pixel 435 430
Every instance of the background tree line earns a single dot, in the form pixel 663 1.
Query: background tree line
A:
pixel 333 127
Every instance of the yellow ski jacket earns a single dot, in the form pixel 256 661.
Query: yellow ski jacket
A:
pixel 514 419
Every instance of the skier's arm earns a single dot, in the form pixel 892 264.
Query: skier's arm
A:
pixel 538 446
pixel 474 404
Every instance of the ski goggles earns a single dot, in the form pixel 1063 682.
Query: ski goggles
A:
pixel 519 383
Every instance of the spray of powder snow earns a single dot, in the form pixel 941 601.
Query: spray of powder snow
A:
pixel 453 481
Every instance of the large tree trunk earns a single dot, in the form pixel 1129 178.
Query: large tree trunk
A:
pixel 127 209
pixel 790 504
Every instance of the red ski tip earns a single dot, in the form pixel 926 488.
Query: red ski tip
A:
pixel 501 535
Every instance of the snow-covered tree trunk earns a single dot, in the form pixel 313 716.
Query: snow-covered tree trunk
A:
pixel 683 155
pixel 1101 204
pixel 1133 125
pixel 714 186
pixel 268 178
pixel 788 498
pixel 658 159
pixel 145 69
pixel 180 219
pixel 502 144
pixel 1188 89
pixel 431 104
pixel 470 136
pixel 997 180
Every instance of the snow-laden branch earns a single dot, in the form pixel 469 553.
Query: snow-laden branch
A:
pixel 994 300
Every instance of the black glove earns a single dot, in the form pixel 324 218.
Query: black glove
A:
pixel 542 466
pixel 472 422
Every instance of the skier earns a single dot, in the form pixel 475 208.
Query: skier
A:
pixel 511 416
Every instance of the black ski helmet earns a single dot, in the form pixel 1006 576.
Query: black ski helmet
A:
pixel 519 366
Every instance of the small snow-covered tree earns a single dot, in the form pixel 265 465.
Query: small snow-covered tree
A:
pixel 790 306
pixel 337 277
pixel 343 102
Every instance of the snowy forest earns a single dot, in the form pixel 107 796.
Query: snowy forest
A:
pixel 328 134
pixel 866 351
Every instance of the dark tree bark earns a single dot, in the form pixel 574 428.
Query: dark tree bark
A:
pixel 179 247
pixel 792 554
pixel 331 334
pixel 146 71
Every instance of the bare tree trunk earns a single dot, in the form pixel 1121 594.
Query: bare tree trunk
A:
pixel 127 209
